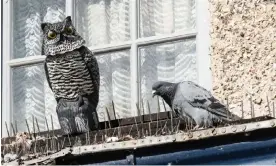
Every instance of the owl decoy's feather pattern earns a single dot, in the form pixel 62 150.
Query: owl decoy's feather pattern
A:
pixel 190 100
pixel 72 73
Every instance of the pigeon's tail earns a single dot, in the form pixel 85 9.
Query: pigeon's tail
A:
pixel 224 114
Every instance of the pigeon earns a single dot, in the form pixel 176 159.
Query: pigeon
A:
pixel 187 99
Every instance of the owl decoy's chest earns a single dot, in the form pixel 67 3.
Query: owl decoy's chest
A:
pixel 69 75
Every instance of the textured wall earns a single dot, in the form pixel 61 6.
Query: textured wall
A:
pixel 243 53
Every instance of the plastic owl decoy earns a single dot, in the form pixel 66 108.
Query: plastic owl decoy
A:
pixel 72 73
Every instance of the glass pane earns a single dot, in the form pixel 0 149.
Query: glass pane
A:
pixel 115 84
pixel 103 21
pixel 172 62
pixel 159 17
pixel 27 18
pixel 31 95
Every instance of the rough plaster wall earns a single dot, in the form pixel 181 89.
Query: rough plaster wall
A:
pixel 243 53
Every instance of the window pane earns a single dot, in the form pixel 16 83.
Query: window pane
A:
pixel 159 17
pixel 172 62
pixel 27 18
pixel 115 84
pixel 31 95
pixel 103 21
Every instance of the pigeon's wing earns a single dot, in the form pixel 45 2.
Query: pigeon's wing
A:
pixel 180 107
pixel 92 65
pixel 199 97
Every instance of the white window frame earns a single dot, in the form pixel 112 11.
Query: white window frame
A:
pixel 202 51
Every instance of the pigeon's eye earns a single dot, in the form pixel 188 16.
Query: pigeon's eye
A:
pixel 69 30
pixel 52 35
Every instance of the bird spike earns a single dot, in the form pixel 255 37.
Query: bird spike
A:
pixel 171 116
pixel 7 129
pixel 119 125
pixel 158 106
pixel 34 133
pixel 273 109
pixel 95 138
pixel 141 118
pixel 105 126
pixel 113 106
pixel 108 116
pixel 149 110
pixel 164 105
pixel 28 127
pixel 130 130
pixel 163 128
pixel 158 111
pixel 37 126
pixel 178 125
pixel 48 131
pixel 143 109
pixel 252 107
pixel 88 134
pixel 69 139
pixel 136 127
pixel 242 109
pixel 53 132
pixel 149 128
pixel 62 145
pixel 13 130
pixel 268 106
pixel 139 113
pixel 33 126
pixel 227 105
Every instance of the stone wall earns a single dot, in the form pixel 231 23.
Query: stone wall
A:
pixel 243 53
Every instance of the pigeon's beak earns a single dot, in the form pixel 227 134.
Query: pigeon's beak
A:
pixel 154 93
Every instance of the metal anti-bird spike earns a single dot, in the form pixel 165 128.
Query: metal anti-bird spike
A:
pixel 252 107
pixel 119 125
pixel 273 109
pixel 268 106
pixel 108 116
pixel 48 131
pixel 34 133
pixel 113 106
pixel 13 130
pixel 242 109
pixel 150 117
pixel 37 126
pixel 7 129
pixel 227 105
pixel 138 132
pixel 158 111
pixel 140 116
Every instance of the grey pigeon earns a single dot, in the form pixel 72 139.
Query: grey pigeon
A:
pixel 188 99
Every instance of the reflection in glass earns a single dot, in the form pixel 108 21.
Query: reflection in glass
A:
pixel 160 17
pixel 27 18
pixel 31 96
pixel 115 84
pixel 103 21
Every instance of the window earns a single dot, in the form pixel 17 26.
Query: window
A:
pixel 136 42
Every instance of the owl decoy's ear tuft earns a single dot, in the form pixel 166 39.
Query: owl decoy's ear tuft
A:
pixel 43 25
pixel 68 18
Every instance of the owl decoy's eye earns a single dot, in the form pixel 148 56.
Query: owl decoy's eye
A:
pixel 52 34
pixel 69 30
